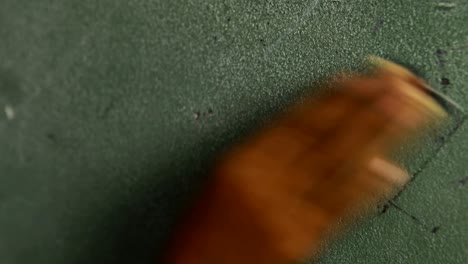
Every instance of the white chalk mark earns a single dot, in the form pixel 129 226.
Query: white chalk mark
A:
pixel 9 112
pixel 446 5
pixel 445 99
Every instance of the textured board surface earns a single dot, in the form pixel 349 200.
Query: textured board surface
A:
pixel 112 109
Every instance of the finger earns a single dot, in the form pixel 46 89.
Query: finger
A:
pixel 358 189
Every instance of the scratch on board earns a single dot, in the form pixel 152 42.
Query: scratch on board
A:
pixel 463 181
pixel 377 25
pixel 429 160
pixel 417 220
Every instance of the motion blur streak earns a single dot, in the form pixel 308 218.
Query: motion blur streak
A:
pixel 273 198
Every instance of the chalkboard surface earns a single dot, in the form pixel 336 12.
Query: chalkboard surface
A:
pixel 112 110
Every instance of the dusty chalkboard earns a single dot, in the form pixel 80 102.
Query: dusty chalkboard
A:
pixel 112 110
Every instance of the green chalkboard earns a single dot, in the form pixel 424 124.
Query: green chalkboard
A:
pixel 112 110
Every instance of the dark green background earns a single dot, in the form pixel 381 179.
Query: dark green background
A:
pixel 119 105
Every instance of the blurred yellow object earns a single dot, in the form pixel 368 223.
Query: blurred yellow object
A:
pixel 273 198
